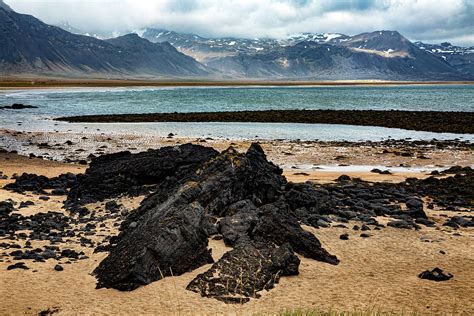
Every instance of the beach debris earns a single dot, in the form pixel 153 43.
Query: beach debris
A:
pixel 435 275
pixel 6 207
pixel 112 206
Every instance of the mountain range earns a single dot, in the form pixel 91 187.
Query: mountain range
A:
pixel 30 47
pixel 375 55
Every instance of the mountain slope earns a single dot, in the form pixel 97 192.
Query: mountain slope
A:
pixel 28 45
pixel 310 60
pixel 144 55
pixel 203 49
pixel 461 58
pixel 383 55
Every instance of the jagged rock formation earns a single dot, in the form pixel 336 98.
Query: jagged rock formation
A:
pixel 240 196
pixel 171 240
pixel 111 175
pixel 244 200
pixel 244 271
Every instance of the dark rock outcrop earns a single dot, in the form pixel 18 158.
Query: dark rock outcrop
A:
pixel 244 200
pixel 275 227
pixel 169 240
pixel 245 271
pixel 246 193
pixel 111 175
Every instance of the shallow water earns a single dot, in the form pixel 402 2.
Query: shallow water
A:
pixel 83 101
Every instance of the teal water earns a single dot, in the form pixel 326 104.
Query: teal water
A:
pixel 83 101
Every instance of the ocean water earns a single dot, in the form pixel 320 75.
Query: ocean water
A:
pixel 83 101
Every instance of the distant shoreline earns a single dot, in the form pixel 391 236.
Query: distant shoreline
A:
pixel 34 83
pixel 430 121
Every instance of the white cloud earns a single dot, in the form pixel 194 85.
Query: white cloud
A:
pixel 430 20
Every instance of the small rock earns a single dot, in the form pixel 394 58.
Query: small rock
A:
pixel 344 236
pixel 18 265
pixel 58 268
pixel 435 275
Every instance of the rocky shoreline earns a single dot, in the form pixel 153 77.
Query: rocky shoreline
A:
pixel 431 121
pixel 194 195
pixel 292 155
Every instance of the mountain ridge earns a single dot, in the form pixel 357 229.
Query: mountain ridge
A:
pixel 31 46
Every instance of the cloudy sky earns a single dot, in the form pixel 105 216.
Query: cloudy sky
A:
pixel 427 20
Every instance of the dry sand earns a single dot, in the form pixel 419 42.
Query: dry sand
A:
pixel 377 273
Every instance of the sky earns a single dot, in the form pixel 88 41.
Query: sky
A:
pixel 432 21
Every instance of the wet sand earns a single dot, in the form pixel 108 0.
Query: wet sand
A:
pixel 301 160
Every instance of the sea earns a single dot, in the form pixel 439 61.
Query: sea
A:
pixel 58 102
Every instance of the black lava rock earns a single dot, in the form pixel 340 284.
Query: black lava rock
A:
pixel 18 265
pixel 344 236
pixel 111 175
pixel 35 183
pixel 58 267
pixel 173 226
pixel 435 275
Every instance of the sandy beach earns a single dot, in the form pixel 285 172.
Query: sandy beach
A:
pixel 290 158
pixel 376 274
